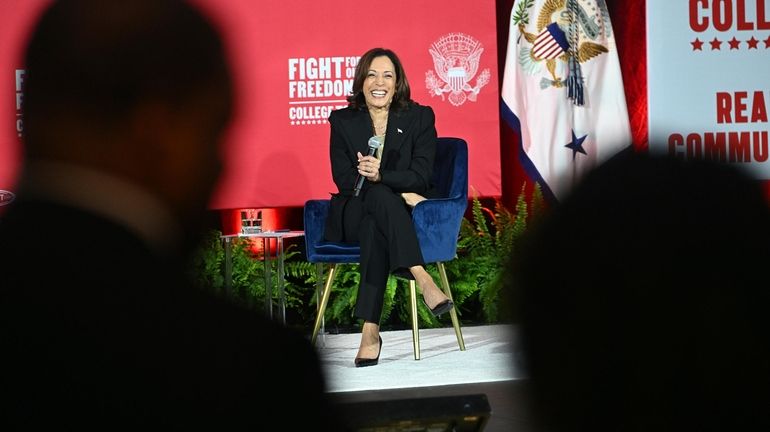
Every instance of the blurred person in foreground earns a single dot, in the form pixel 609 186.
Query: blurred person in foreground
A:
pixel 125 105
pixel 643 300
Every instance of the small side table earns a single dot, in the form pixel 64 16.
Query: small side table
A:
pixel 266 236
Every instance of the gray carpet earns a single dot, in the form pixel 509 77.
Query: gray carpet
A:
pixel 489 357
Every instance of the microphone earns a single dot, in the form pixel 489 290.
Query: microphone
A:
pixel 374 143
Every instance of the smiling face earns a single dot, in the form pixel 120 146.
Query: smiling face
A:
pixel 380 83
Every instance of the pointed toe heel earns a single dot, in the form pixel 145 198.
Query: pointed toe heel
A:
pixel 363 362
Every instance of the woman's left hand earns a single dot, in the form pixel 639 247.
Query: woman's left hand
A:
pixel 412 198
pixel 369 167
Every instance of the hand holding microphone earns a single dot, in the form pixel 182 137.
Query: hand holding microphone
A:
pixel 369 165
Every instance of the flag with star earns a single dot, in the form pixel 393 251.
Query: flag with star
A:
pixel 569 110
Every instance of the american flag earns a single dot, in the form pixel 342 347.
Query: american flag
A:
pixel 550 43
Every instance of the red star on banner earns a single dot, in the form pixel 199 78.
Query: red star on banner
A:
pixel 697 45
pixel 753 43
pixel 715 44
pixel 767 42
pixel 734 43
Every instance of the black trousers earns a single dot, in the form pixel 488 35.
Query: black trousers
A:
pixel 381 222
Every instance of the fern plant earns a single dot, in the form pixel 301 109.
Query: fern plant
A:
pixel 486 239
pixel 342 300
pixel 207 269
pixel 486 242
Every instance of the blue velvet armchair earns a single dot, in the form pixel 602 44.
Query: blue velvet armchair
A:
pixel 437 223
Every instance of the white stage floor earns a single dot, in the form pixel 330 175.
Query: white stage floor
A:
pixel 489 356
pixel 488 366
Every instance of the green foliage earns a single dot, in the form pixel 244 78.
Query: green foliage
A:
pixel 344 293
pixel 207 262
pixel 207 271
pixel 485 242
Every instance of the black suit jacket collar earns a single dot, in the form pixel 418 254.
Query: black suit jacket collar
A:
pixel 398 123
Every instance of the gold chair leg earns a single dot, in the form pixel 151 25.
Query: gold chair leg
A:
pixel 319 283
pixel 452 312
pixel 319 270
pixel 324 300
pixel 415 318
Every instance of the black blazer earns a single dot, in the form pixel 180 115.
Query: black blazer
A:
pixel 407 159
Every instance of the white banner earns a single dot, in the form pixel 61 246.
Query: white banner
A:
pixel 708 65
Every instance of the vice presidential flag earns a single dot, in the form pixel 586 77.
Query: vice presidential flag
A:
pixel 563 89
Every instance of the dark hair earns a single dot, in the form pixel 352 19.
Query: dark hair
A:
pixel 402 97
pixel 145 49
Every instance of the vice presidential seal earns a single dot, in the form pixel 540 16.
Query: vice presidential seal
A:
pixel 456 58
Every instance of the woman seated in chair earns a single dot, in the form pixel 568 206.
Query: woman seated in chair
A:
pixel 376 191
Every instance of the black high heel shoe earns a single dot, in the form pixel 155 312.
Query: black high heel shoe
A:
pixel 363 362
pixel 441 308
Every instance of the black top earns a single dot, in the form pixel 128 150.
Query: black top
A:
pixel 407 157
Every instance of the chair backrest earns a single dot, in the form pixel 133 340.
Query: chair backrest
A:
pixel 437 222
pixel 314 217
pixel 450 168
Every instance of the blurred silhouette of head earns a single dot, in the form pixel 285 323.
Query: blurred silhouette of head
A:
pixel 138 89
pixel 642 302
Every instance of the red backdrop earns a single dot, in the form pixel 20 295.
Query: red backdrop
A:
pixel 293 63
pixel 628 18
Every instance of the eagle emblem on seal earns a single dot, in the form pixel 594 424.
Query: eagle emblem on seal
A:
pixel 456 58
pixel 564 38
